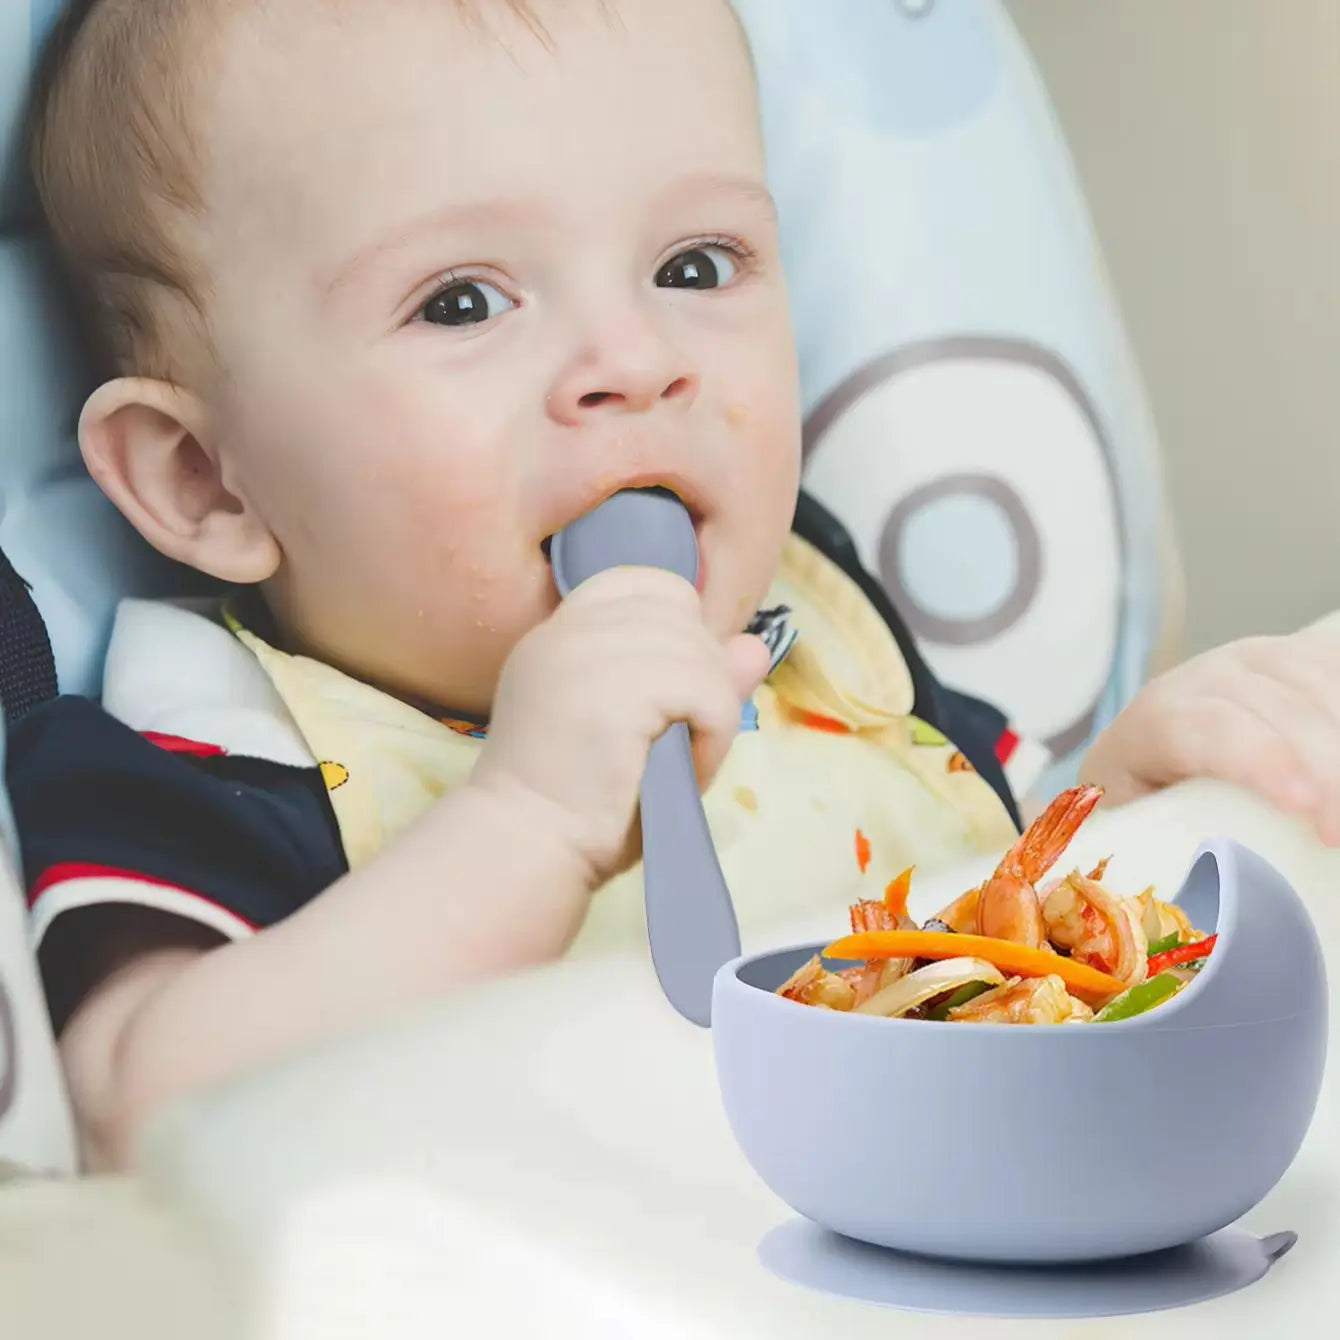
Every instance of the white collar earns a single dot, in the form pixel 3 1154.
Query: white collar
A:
pixel 174 669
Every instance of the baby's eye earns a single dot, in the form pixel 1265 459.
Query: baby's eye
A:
pixel 698 267
pixel 465 302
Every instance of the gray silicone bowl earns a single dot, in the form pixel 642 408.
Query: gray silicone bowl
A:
pixel 1000 1143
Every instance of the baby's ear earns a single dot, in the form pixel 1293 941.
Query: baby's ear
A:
pixel 148 446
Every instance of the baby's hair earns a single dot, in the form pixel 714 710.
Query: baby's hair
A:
pixel 111 151
pixel 112 144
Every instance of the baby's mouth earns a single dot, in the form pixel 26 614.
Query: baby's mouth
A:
pixel 546 544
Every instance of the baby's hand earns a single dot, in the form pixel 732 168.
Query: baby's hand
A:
pixel 584 695
pixel 1263 713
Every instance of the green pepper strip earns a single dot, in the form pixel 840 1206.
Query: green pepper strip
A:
pixel 960 997
pixel 1138 999
pixel 1168 942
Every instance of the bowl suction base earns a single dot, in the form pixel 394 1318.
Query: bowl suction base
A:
pixel 804 1254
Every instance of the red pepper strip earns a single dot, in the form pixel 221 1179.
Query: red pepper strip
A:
pixel 1170 958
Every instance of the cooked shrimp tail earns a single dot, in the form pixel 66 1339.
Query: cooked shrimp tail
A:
pixel 1050 834
pixel 869 915
pixel 1009 907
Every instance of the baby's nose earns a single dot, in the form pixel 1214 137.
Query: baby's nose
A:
pixel 629 379
pixel 679 389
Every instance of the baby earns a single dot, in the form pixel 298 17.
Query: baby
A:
pixel 384 295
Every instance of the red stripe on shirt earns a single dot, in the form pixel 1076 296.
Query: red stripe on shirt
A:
pixel 72 870
pixel 178 744
pixel 1006 746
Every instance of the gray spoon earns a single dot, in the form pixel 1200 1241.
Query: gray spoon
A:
pixel 690 918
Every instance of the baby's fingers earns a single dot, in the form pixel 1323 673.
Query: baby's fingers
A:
pixel 747 662
pixel 749 659
pixel 1166 738
pixel 1298 696
pixel 1220 738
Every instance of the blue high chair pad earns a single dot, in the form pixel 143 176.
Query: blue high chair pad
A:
pixel 61 535
pixel 23 26
pixel 971 405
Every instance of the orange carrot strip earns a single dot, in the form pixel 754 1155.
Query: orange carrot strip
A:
pixel 895 896
pixel 862 851
pixel 814 721
pixel 1087 983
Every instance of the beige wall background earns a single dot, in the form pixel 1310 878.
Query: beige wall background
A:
pixel 1207 137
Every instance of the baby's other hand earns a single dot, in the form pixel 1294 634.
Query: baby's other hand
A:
pixel 1263 713
pixel 584 695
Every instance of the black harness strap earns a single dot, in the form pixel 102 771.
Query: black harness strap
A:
pixel 973 725
pixel 27 668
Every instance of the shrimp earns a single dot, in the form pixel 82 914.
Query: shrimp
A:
pixel 1008 906
pixel 863 980
pixel 1105 932
pixel 960 916
pixel 1024 1000
pixel 869 915
pixel 813 984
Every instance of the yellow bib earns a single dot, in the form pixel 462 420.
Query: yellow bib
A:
pixel 838 790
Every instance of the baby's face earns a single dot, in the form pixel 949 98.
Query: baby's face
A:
pixel 464 288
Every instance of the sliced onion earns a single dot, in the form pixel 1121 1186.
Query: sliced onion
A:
pixel 1151 918
pixel 936 979
pixel 1160 920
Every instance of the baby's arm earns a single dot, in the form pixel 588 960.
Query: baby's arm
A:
pixel 452 903
pixel 492 879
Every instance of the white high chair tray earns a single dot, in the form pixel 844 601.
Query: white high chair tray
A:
pixel 552 1158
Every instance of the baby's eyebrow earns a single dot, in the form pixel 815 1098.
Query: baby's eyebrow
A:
pixel 482 214
pixel 751 189
pixel 497 213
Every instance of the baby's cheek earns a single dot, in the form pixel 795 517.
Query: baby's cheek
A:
pixel 446 506
pixel 769 450
pixel 431 438
pixel 763 406
pixel 766 449
pixel 453 525
pixel 411 456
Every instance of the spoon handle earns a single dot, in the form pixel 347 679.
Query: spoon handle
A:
pixel 690 917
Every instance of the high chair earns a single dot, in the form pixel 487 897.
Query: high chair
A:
pixel 968 392
pixel 969 396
